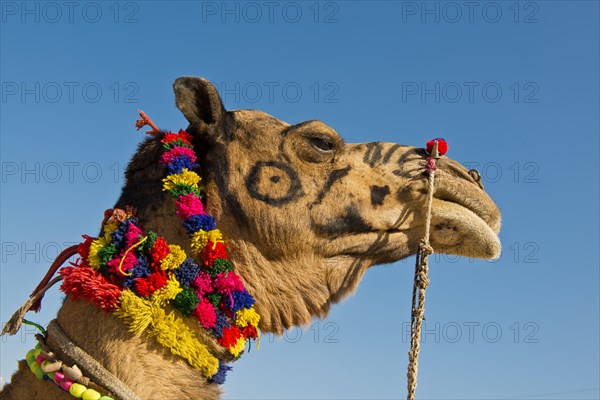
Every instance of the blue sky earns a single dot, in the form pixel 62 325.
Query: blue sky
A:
pixel 513 87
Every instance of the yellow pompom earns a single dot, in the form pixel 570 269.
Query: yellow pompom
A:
pixel 170 331
pixel 186 177
pixel 247 316
pixel 109 228
pixel 198 241
pixel 200 238
pixel 238 347
pixel 215 236
pixel 174 259
pixel 91 394
pixel 37 351
pixel 93 258
pixel 135 311
pixel 77 389
pixel 168 292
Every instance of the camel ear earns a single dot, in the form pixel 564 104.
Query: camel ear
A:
pixel 199 102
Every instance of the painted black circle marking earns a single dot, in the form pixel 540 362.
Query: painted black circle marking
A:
pixel 274 183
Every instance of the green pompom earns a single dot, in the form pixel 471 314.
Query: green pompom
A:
pixel 181 189
pixel 186 301
pixel 146 247
pixel 106 253
pixel 215 299
pixel 176 142
pixel 219 265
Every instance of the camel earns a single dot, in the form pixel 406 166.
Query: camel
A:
pixel 305 215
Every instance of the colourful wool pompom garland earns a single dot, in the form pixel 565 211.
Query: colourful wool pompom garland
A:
pixel 135 274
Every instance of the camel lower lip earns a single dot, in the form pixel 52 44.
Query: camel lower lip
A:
pixel 456 229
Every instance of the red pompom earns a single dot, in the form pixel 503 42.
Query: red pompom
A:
pixel 147 286
pixel 212 251
pixel 250 332
pixel 231 334
pixel 442 145
pixel 90 285
pixel 181 135
pixel 160 250
pixel 186 137
pixel 84 248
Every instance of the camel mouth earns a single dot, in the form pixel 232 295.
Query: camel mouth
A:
pixel 465 225
pixel 471 198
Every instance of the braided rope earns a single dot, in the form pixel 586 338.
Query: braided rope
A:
pixel 421 281
pixel 14 323
pixel 95 370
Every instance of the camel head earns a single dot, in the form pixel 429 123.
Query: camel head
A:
pixel 306 214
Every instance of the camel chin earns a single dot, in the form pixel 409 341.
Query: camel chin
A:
pixel 457 230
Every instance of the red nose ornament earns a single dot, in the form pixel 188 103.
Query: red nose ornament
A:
pixel 437 147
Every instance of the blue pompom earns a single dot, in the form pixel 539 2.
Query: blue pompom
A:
pixel 219 377
pixel 179 163
pixel 141 270
pixel 118 235
pixel 240 300
pixel 221 323
pixel 187 272
pixel 196 222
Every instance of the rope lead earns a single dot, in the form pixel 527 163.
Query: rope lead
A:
pixel 421 279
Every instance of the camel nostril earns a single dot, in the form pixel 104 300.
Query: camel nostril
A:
pixel 476 177
pixel 475 174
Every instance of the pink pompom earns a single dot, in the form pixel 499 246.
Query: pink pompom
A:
pixel 226 282
pixel 177 152
pixel 133 235
pixel 188 205
pixel 202 284
pixel 129 262
pixel 205 312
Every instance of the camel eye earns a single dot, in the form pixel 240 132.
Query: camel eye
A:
pixel 321 144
